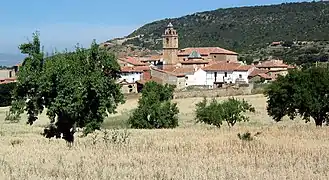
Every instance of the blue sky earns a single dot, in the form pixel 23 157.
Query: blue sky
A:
pixel 63 23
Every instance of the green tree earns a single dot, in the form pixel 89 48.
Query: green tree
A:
pixel 302 92
pixel 155 109
pixel 6 93
pixel 231 111
pixel 78 88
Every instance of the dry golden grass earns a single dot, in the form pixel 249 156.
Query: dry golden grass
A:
pixel 286 150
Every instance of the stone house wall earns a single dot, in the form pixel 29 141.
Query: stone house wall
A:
pixel 220 92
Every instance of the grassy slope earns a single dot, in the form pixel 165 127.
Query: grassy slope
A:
pixel 292 150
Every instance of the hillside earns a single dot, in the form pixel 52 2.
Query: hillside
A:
pixel 243 28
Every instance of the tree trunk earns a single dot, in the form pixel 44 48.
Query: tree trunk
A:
pixel 319 120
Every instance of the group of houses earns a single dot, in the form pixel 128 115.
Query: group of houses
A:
pixel 207 67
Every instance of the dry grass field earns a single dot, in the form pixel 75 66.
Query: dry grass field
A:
pixel 285 150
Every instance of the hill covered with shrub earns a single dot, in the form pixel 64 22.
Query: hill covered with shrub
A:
pixel 242 29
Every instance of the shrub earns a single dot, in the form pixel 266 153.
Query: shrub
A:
pixel 245 136
pixel 216 112
pixel 155 109
pixel 6 94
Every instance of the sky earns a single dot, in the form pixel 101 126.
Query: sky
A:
pixel 64 23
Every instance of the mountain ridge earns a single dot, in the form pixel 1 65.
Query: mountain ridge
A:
pixel 241 28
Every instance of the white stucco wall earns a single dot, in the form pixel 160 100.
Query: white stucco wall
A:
pixel 131 77
pixel 244 75
pixel 232 76
pixel 197 79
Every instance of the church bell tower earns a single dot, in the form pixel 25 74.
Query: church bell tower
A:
pixel 170 45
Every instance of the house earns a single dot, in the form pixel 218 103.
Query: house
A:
pixel 132 74
pixel 174 76
pixel 9 74
pixel 127 87
pixel 198 78
pixel 259 76
pixel 154 60
pixel 224 72
pixel 274 68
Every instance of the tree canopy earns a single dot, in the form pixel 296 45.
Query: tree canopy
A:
pixel 302 92
pixel 78 89
pixel 155 109
pixel 231 111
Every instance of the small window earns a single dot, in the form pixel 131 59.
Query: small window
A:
pixel 167 40
pixel 225 74
pixel 240 75
pixel 214 56
pixel 133 79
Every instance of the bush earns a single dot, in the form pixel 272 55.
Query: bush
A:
pixel 6 94
pixel 216 112
pixel 155 110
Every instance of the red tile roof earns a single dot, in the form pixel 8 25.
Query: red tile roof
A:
pixel 205 51
pixel 170 72
pixel 265 76
pixel 150 58
pixel 178 70
pixel 272 64
pixel 133 61
pixel 224 66
pixel 134 69
pixel 245 67
pixel 184 70
pixel 256 72
pixel 194 62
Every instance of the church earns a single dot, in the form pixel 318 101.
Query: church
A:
pixel 193 56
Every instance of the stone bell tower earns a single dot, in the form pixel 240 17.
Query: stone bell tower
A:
pixel 170 45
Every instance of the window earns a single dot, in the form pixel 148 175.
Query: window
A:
pixel 214 56
pixel 225 74
pixel 133 79
pixel 167 39
pixel 240 75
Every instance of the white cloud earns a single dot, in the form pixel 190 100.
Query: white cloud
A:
pixel 61 36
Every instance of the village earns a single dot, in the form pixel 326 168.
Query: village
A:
pixel 193 67
pixel 197 67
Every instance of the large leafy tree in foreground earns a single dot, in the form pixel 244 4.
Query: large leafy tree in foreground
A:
pixel 78 88
pixel 301 92
pixel 155 109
